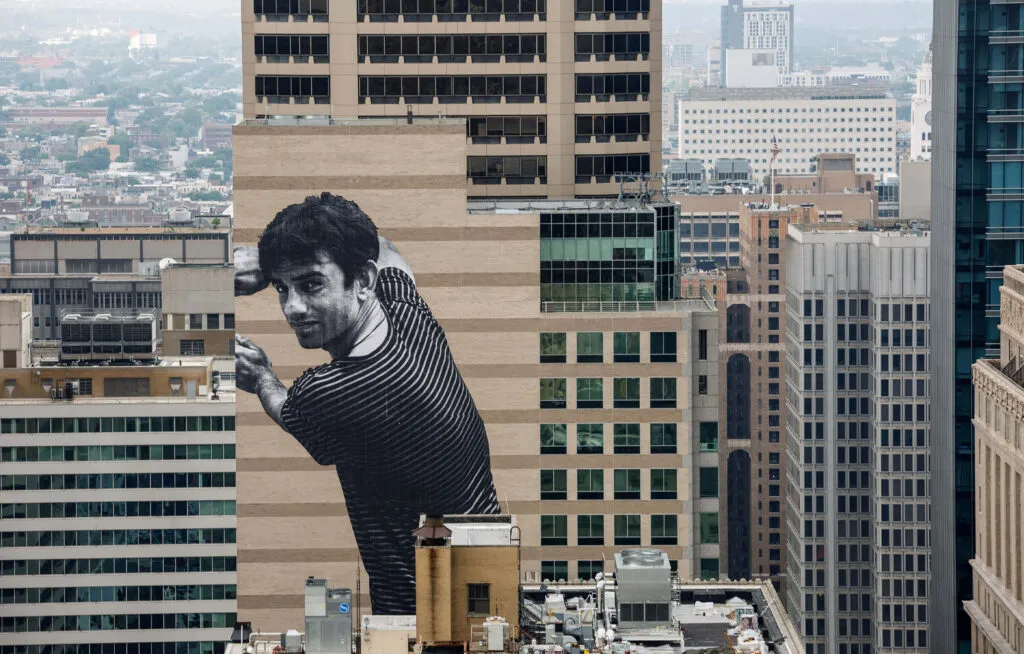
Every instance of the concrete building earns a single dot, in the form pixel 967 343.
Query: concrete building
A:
pixel 806 122
pixel 198 306
pixel 215 136
pixel 921 113
pixel 558 98
pixel 117 523
pixel 751 69
pixel 997 620
pixel 758 25
pixel 113 269
pixel 858 482
pixel 915 191
pixel 600 399
pixel 20 116
pixel 467 571
pixel 15 330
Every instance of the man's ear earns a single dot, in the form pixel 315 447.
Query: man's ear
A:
pixel 367 280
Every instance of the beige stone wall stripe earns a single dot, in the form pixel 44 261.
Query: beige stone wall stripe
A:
pixel 292 510
pixel 289 464
pixel 336 555
pixel 402 234
pixel 337 183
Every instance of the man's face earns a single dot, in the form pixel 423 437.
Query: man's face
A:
pixel 315 301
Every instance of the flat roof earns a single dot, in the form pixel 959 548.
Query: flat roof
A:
pixel 790 93
pixel 546 206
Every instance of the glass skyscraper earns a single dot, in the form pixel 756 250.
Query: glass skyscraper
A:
pixel 978 227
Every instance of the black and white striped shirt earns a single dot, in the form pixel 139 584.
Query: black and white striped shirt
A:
pixel 405 435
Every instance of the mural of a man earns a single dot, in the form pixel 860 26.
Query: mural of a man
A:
pixel 390 410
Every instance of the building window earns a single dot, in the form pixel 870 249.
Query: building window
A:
pixel 590 484
pixel 552 393
pixel 663 438
pixel 590 530
pixel 663 347
pixel 702 345
pixel 627 529
pixel 554 530
pixel 280 9
pixel 479 599
pixel 451 88
pixel 192 348
pixel 452 48
pixel 589 393
pixel 663 392
pixel 709 568
pixel 664 530
pixel 589 347
pixel 708 482
pixel 283 89
pixel 623 46
pixel 552 439
pixel 510 169
pixel 709 437
pixel 229 321
pixel 624 127
pixel 627 347
pixel 602 86
pixel 552 348
pixel 663 484
pixel 627 393
pixel 195 321
pixel 588 569
pixel 605 167
pixel 589 438
pixel 627 438
pixel 554 570
pixel 553 485
pixel 279 48
pixel 702 384
pixel 708 528
pixel 213 321
pixel 514 129
pixel 627 484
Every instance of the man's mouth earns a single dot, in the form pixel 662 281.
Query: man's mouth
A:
pixel 303 326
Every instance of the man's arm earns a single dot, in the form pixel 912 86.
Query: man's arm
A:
pixel 255 374
pixel 248 277
pixel 390 258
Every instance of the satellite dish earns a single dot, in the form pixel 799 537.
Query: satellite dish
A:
pixel 167 263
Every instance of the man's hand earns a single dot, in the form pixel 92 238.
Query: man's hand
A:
pixel 255 374
pixel 249 278
pixel 252 366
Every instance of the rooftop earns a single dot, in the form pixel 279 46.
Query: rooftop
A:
pixel 547 206
pixel 789 93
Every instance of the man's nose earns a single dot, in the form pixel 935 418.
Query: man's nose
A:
pixel 294 307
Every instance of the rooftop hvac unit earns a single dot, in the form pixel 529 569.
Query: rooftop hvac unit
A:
pixel 291 642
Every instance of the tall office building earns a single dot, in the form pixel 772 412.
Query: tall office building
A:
pixel 559 96
pixel 599 396
pixel 857 436
pixel 117 524
pixel 997 621
pixel 978 228
pixel 758 25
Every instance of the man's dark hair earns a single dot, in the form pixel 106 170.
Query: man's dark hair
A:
pixel 327 224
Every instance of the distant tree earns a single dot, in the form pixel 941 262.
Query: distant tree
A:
pixel 4 159
pixel 205 196
pixel 215 223
pixel 93 160
pixel 57 84
pixel 66 156
pixel 123 142
pixel 32 154
pixel 147 165
pixel 192 173
pixel 130 181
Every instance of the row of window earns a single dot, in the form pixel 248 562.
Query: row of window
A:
pixel 390 10
pixel 179 647
pixel 33 510
pixel 620 84
pixel 451 48
pixel 625 393
pixel 116 453
pixel 514 129
pixel 590 438
pixel 606 125
pixel 590 484
pixel 298 8
pixel 134 565
pixel 118 480
pixel 279 47
pixel 97 537
pixel 512 169
pixel 73 594
pixel 278 89
pixel 623 45
pixel 55 623
pixel 489 87
pixel 114 425
pixel 621 8
pixel 554 530
pixel 608 165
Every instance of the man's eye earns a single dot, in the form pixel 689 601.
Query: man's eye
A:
pixel 281 289
pixel 311 287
